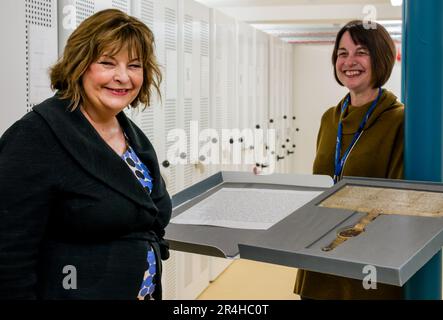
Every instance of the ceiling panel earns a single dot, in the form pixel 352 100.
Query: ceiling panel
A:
pixel 257 3
pixel 307 21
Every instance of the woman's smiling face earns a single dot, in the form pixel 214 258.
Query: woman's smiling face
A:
pixel 353 65
pixel 112 82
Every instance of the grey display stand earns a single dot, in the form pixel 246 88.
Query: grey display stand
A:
pixel 397 246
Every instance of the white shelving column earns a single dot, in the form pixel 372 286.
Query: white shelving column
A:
pixel 224 111
pixel 244 111
pixel 222 35
pixel 275 92
pixel 159 119
pixel 280 109
pixel 237 145
pixel 252 114
pixel 194 114
pixel 284 106
pixel 219 78
pixel 262 79
pixel 194 49
pixel 262 95
pixel 30 38
pixel 290 122
pixel 281 105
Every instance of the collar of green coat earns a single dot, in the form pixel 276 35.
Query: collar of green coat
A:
pixel 354 115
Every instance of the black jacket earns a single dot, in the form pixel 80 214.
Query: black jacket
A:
pixel 67 199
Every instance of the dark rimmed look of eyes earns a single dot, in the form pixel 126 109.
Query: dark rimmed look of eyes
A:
pixel 361 51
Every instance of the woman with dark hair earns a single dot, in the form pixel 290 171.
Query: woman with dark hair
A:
pixel 83 206
pixel 361 136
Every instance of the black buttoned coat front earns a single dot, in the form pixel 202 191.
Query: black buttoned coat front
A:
pixel 75 223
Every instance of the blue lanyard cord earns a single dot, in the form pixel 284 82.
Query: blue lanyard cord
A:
pixel 340 162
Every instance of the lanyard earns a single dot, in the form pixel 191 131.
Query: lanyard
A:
pixel 340 162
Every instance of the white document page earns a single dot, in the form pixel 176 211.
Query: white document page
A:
pixel 245 208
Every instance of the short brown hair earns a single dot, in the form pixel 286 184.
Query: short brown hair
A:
pixel 382 50
pixel 110 30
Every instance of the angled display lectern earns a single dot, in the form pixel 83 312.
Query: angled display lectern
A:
pixel 305 221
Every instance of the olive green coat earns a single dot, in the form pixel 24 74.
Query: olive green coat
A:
pixel 378 154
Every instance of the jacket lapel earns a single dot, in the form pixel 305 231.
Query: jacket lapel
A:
pixel 141 145
pixel 85 145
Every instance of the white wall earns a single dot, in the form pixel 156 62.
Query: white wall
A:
pixel 315 90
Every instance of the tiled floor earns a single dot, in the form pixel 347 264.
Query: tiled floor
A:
pixel 250 280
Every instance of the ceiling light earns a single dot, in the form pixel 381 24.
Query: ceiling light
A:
pixel 396 3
